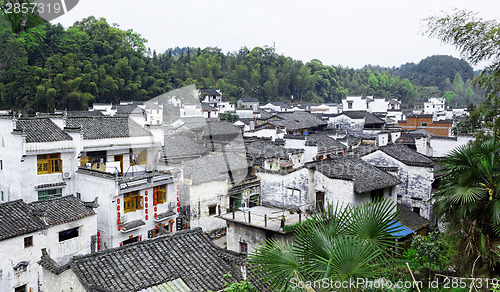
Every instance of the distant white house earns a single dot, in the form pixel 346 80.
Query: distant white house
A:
pixel 434 106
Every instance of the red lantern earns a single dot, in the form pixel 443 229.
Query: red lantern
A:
pixel 98 247
pixel 155 197
pixel 147 217
pixel 119 228
pixel 98 234
pixel 178 210
pixel 177 199
pixel 118 201
pixel 98 240
pixel 146 210
pixel 118 208
pixel 118 214
pixel 146 199
pixel 155 191
pixel 178 204
pixel 178 186
pixel 146 192
pixel 178 193
pixel 118 221
pixel 121 243
pixel 156 215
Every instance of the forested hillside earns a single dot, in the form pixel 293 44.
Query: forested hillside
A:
pixel 45 66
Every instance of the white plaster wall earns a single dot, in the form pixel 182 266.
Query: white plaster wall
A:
pixel 62 251
pixel 336 190
pixel 67 281
pixel 204 195
pixel 275 189
pixel 309 151
pixel 378 105
pixel 269 133
pixel 441 147
pixel 13 252
pixel 416 182
pixel 358 103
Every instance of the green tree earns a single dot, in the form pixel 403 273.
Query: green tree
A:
pixel 469 201
pixel 342 243
pixel 476 39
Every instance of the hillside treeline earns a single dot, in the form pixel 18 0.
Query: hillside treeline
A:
pixel 45 67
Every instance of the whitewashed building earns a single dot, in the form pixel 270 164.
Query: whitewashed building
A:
pixel 414 170
pixel 62 227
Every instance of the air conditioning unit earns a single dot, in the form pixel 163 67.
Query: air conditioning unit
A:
pixel 67 175
pixel 123 218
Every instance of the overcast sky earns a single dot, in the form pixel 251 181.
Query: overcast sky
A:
pixel 347 33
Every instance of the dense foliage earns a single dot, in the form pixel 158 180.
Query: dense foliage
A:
pixel 340 244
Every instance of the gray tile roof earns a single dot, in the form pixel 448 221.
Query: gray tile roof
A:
pixel 368 117
pixel 85 114
pixel 324 142
pixel 17 219
pixel 213 167
pixel 177 146
pixel 41 130
pixel 189 255
pixel 366 176
pixel 208 108
pixel 62 210
pixel 248 99
pixel 165 215
pixel 132 225
pixel 220 131
pixel 263 150
pixel 411 219
pixel 194 123
pixel 211 92
pixel 407 155
pixel 281 104
pixel 107 127
pixel 298 120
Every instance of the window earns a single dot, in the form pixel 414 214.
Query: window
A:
pixel 3 199
pixel 243 247
pixel 1 164
pixel 68 234
pixel 416 210
pixel 28 241
pixel 138 157
pixel 132 201
pixel 349 104
pixel 423 124
pixel 212 210
pixel 79 196
pixel 48 163
pixel 161 193
pixel 49 194
pixel 20 289
pixel 131 240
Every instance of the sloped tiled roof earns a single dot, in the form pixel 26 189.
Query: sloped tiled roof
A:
pixel 366 176
pixel 41 130
pixel 16 218
pixel 324 142
pixel 220 131
pixel 62 210
pixel 411 219
pixel 181 146
pixel 211 92
pixel 107 127
pixel 248 99
pixel 298 120
pixel 407 155
pixel 213 167
pixel 369 118
pixel 189 255
pixel 85 114
pixel 261 149
pixel 207 108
